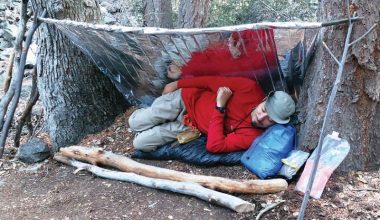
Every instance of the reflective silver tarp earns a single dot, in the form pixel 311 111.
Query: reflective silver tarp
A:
pixel 141 63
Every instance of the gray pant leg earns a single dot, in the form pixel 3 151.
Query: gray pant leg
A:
pixel 150 139
pixel 164 109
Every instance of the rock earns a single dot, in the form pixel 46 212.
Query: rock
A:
pixel 8 35
pixel 34 151
pixel 109 19
pixel 3 6
pixel 111 8
pixel 5 44
pixel 31 58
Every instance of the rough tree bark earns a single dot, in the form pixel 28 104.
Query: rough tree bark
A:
pixel 158 13
pixel 193 13
pixel 356 111
pixel 77 98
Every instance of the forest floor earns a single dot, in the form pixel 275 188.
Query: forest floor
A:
pixel 50 190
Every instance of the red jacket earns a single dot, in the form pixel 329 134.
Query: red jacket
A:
pixel 227 132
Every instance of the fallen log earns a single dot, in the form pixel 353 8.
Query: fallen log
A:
pixel 99 156
pixel 187 188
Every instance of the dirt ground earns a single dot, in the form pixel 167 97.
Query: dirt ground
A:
pixel 50 190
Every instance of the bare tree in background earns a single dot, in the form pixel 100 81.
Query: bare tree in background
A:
pixel 158 13
pixel 193 13
pixel 356 111
pixel 77 98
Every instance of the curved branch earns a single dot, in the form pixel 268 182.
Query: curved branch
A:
pixel 26 115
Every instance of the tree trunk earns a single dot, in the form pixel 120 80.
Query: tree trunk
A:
pixel 77 98
pixel 356 109
pixel 158 13
pixel 192 13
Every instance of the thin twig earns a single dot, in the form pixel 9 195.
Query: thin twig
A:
pixel 275 11
pixel 35 131
pixel 26 115
pixel 266 209
pixel 361 37
pixel 9 72
pixel 366 189
pixel 328 50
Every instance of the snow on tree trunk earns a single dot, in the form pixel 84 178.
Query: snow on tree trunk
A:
pixel 158 13
pixel 193 13
pixel 77 98
pixel 356 112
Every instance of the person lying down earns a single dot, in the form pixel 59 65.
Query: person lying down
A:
pixel 231 111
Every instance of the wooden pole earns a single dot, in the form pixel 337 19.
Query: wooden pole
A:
pixel 99 156
pixel 187 188
pixel 192 31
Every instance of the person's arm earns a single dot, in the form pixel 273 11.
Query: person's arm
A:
pixel 218 142
pixel 213 83
pixel 170 87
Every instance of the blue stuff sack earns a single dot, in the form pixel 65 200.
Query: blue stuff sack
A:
pixel 263 158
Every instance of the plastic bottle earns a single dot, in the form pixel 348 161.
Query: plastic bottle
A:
pixel 334 150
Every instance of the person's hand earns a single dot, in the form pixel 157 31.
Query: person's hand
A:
pixel 234 48
pixel 170 87
pixel 223 95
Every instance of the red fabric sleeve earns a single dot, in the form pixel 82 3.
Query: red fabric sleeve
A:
pixel 212 83
pixel 217 142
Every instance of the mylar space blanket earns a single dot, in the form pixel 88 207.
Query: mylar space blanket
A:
pixel 142 62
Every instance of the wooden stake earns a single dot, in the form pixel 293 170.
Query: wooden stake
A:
pixel 99 156
pixel 192 189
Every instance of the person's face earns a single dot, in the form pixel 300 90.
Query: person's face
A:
pixel 174 70
pixel 260 117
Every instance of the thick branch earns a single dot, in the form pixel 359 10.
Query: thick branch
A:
pixel 99 156
pixel 4 123
pixel 326 120
pixel 341 21
pixel 17 82
pixel 186 188
pixel 157 31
